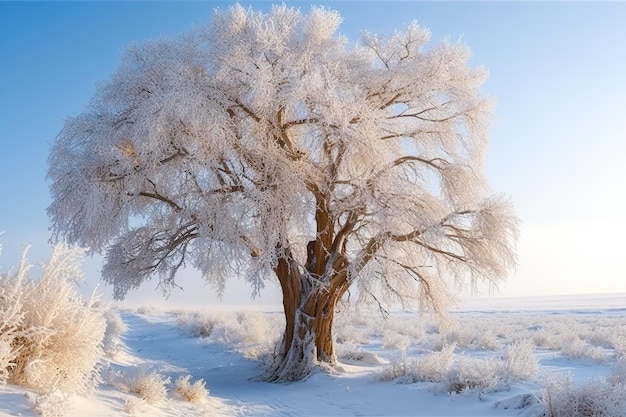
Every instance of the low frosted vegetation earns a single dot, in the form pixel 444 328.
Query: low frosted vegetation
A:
pixel 57 344
pixel 51 339
pixel 458 373
pixel 471 353
pixel 251 334
pixel 195 392
pixel 596 397
pixel 148 385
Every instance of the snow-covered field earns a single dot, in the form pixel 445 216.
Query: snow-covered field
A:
pixel 494 358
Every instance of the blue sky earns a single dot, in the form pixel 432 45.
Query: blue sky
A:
pixel 558 148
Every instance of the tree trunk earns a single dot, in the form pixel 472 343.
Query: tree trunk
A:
pixel 308 338
pixel 309 313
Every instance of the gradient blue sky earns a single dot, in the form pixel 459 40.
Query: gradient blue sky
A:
pixel 558 148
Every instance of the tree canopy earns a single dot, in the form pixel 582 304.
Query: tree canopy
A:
pixel 269 147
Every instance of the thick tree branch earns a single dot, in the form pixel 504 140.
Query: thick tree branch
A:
pixel 437 163
pixel 161 198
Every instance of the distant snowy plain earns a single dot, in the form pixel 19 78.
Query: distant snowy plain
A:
pixel 583 337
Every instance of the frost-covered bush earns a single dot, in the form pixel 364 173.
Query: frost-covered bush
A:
pixel 576 348
pixel 400 368
pixel 430 368
pixel 460 335
pixel 7 355
pixel 354 353
pixel 11 317
pixel 54 336
pixel 134 405
pixel 618 343
pixel 488 341
pixel 52 404
pixel 149 385
pixel 197 324
pixel 492 374
pixel 115 328
pixel 242 329
pixel 435 366
pixel 396 341
pixel 483 375
pixel 195 393
pixel 461 373
pixel 251 334
pixel 595 398
pixel 520 360
pixel 545 339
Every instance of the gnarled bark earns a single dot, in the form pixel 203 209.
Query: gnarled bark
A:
pixel 309 312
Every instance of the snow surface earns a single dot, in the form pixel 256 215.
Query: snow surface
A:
pixel 155 340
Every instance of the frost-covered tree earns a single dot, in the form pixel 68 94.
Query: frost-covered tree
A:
pixel 264 145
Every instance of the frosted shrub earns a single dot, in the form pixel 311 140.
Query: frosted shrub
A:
pixel 147 384
pixel 461 336
pixel 430 368
pixel 195 393
pixel 58 335
pixel 260 330
pixel 134 405
pixel 618 343
pixel 521 362
pixel 196 324
pixel 8 352
pixel 251 334
pixel 150 310
pixel 599 337
pixel 484 375
pixel 488 341
pixel 115 328
pixel 435 366
pixel 400 368
pixel 461 373
pixel 576 348
pixel 492 374
pixel 236 330
pixel 597 353
pixel 11 317
pixel 396 341
pixel 354 353
pixel 7 356
pixel 547 340
pixel 595 398
pixel 52 404
pixel 349 351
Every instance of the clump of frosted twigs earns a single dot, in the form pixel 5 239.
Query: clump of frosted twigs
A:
pixel 193 392
pixel 596 397
pixel 459 373
pixel 50 338
pixel 147 384
pixel 251 333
